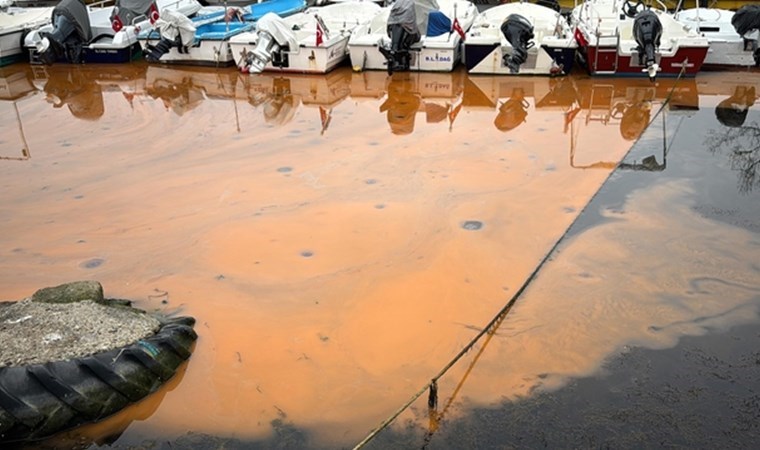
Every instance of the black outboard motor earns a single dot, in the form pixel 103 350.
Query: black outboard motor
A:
pixel 746 21
pixel 71 31
pixel 403 31
pixel 518 31
pixel 647 30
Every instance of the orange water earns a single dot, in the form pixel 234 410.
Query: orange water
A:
pixel 320 228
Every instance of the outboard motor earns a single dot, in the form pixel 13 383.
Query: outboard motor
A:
pixel 647 30
pixel 71 31
pixel 746 22
pixel 512 112
pixel 518 31
pixel 176 30
pixel 273 35
pixel 403 31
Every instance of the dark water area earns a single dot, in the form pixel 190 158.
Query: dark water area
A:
pixel 341 238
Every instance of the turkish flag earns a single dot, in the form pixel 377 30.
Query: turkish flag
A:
pixel 320 33
pixel 153 14
pixel 580 38
pixel 116 23
pixel 458 28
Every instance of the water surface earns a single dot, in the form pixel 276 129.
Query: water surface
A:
pixel 340 238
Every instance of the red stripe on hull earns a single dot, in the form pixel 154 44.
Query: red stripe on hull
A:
pixel 606 61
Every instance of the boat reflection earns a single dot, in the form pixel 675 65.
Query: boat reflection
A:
pixel 738 139
pixel 438 96
pixel 581 102
pixel 15 84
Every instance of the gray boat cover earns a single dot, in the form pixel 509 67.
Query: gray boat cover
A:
pixel 412 14
pixel 76 12
pixel 127 10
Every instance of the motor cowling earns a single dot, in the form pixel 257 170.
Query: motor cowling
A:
pixel 518 31
pixel 273 35
pixel 403 32
pixel 647 31
pixel 746 22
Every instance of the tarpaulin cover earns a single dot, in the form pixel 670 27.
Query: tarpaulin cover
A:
pixel 438 24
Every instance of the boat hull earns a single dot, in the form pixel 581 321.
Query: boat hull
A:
pixel 306 59
pixel 609 61
pixel 488 58
pixel 367 56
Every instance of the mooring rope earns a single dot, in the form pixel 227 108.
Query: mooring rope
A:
pixel 432 385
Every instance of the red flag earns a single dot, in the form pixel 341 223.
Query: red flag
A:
pixel 153 14
pixel 320 32
pixel 116 23
pixel 580 38
pixel 458 28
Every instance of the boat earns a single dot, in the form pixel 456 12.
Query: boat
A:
pixel 314 41
pixel 520 38
pixel 15 24
pixel 98 33
pixel 728 48
pixel 204 38
pixel 623 38
pixel 435 47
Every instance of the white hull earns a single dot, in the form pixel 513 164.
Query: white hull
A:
pixel 206 52
pixel 431 54
pixel 485 45
pixel 726 46
pixel 304 55
pixel 113 46
pixel 306 58
pixel 13 24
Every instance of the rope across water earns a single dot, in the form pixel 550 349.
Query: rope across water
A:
pixel 493 324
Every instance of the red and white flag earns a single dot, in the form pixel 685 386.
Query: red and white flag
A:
pixel 458 28
pixel 320 33
pixel 116 23
pixel 153 14
pixel 580 38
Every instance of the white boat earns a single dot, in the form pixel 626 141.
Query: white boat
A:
pixel 15 23
pixel 441 24
pixel 620 37
pixel 314 41
pixel 727 47
pixel 97 33
pixel 520 38
pixel 205 38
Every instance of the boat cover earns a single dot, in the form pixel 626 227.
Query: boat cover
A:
pixel 746 19
pixel 438 24
pixel 279 29
pixel 76 12
pixel 128 10
pixel 412 14
pixel 173 24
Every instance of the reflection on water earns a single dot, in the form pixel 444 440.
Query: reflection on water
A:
pixel 739 140
pixel 339 238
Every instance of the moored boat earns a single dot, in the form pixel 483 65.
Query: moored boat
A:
pixel 433 44
pixel 621 37
pixel 520 38
pixel 728 48
pixel 15 24
pixel 81 33
pixel 314 41
pixel 204 38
